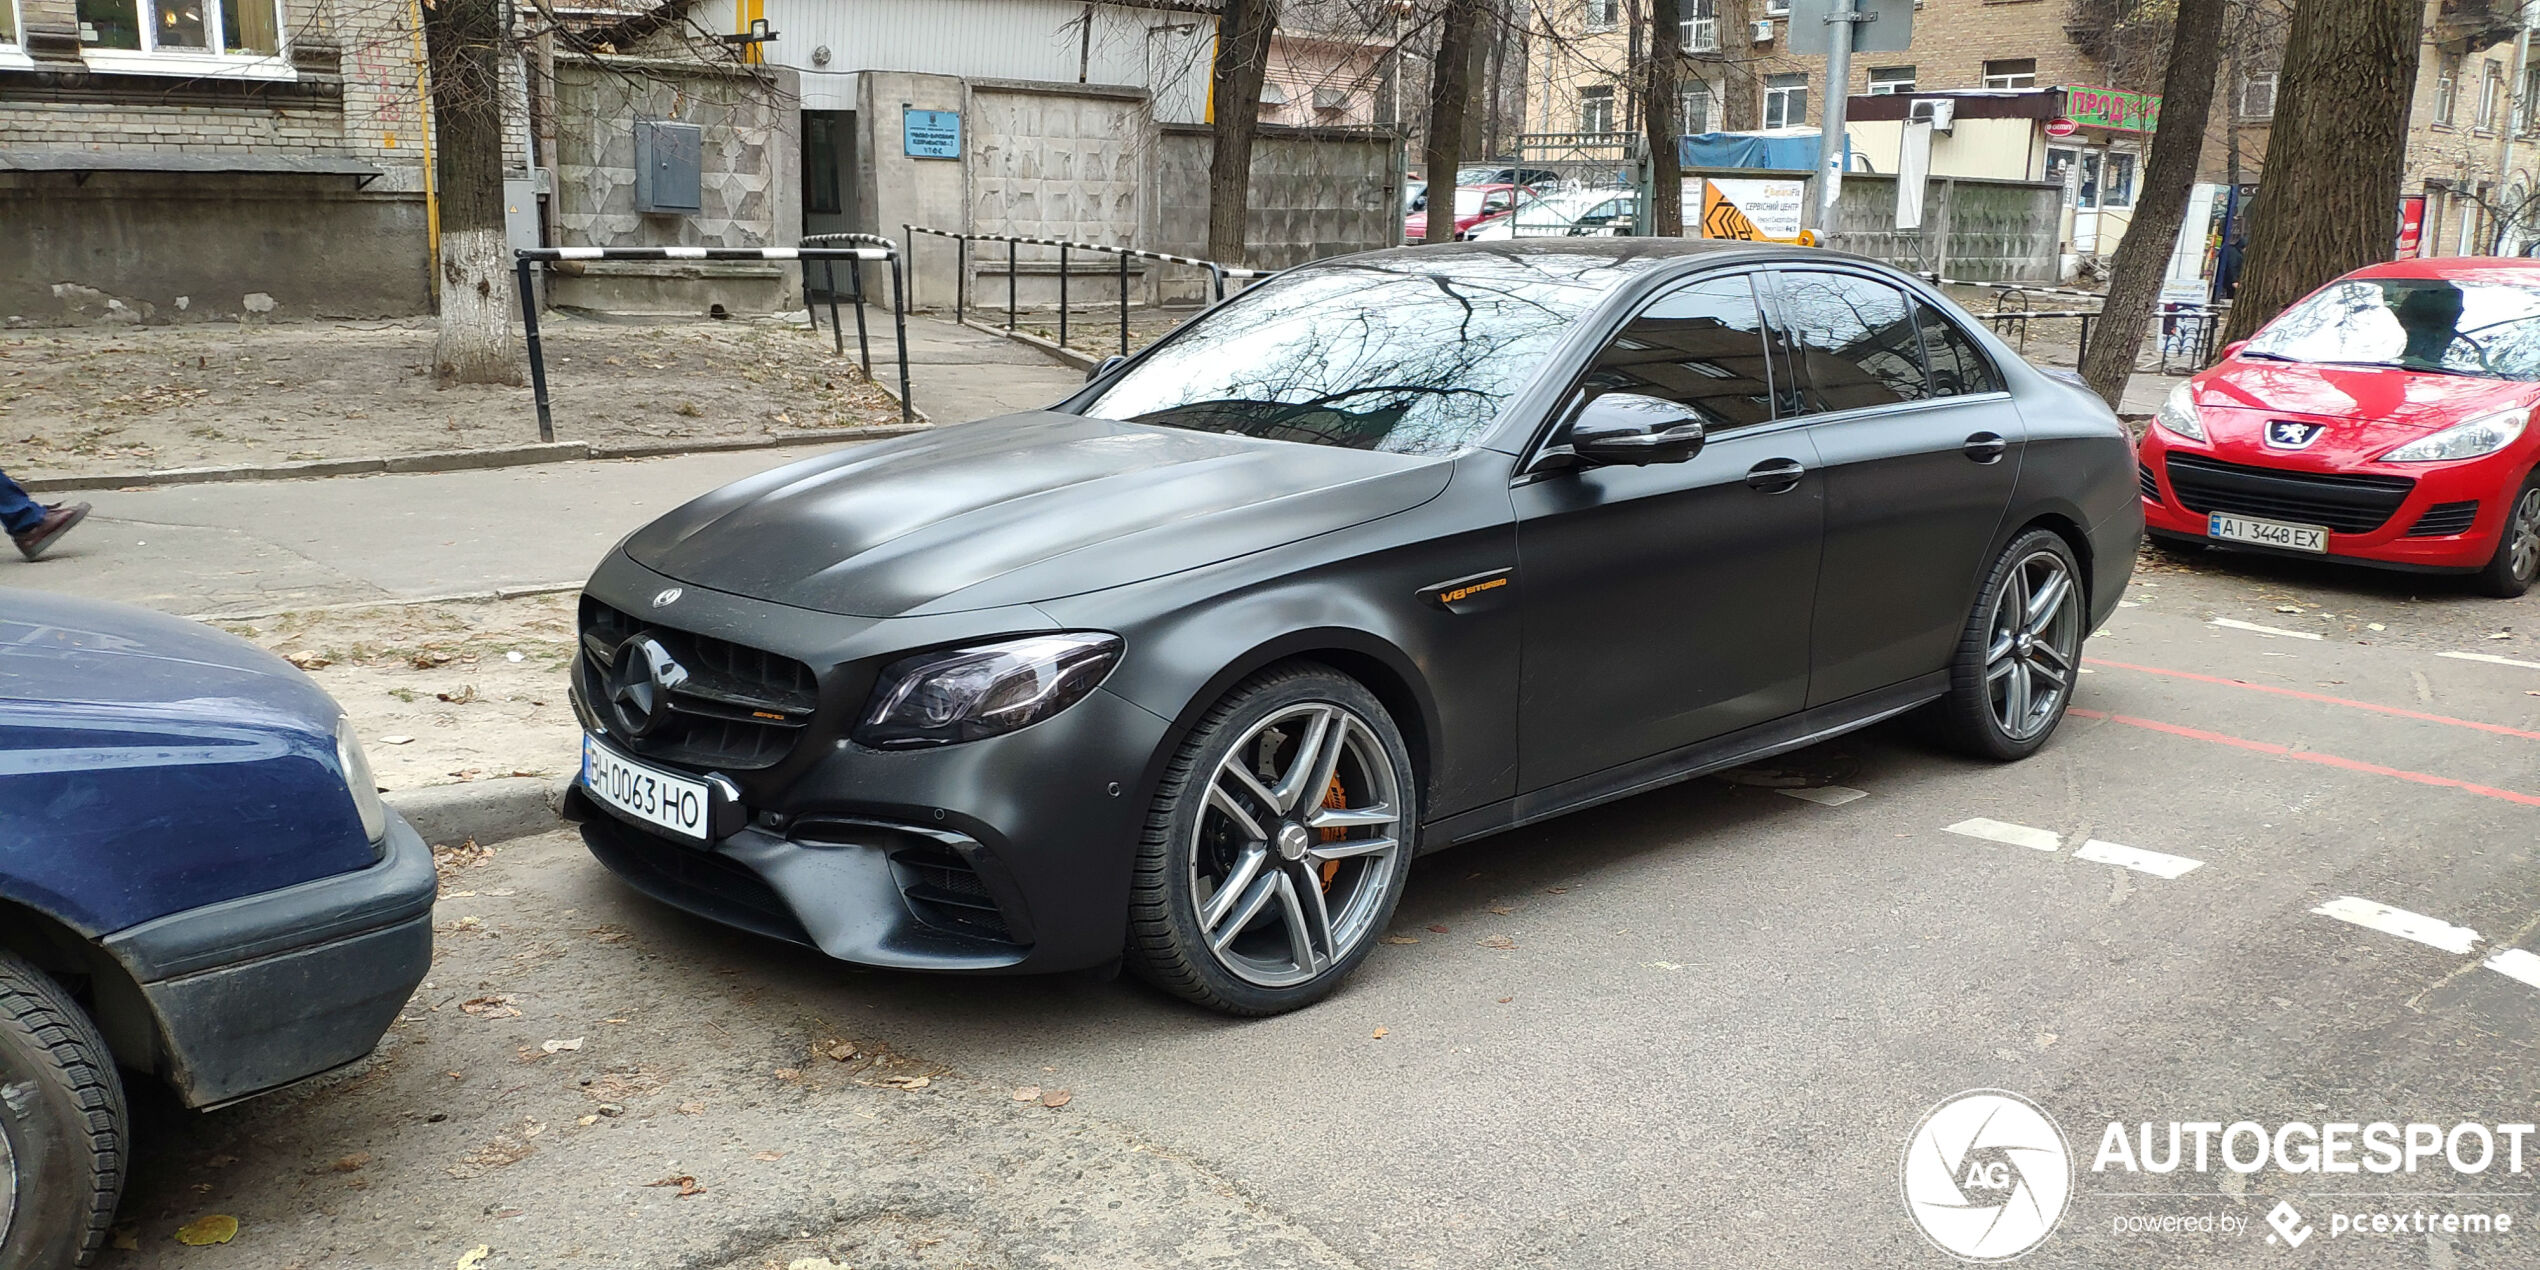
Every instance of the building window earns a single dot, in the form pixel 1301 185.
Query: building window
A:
pixel 243 28
pixel 1693 109
pixel 1604 15
pixel 2524 115
pixel 2447 81
pixel 1887 81
pixel 1785 100
pixel 2011 72
pixel 2257 96
pixel 8 23
pixel 1699 32
pixel 1596 111
pixel 2491 95
pixel 2116 180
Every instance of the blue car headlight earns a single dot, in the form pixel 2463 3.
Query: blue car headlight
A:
pixel 358 780
pixel 968 694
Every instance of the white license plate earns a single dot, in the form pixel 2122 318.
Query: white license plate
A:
pixel 2267 533
pixel 676 803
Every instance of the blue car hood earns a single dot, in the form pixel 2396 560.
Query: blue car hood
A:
pixel 63 650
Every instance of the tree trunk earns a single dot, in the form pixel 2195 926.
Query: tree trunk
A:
pixel 1450 91
pixel 2134 280
pixel 2329 202
pixel 464 43
pixel 1243 57
pixel 1666 170
pixel 1741 100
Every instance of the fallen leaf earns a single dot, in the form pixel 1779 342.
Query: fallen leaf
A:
pixel 1402 939
pixel 788 1073
pixel 692 1108
pixel 1664 965
pixel 588 1121
pixel 532 1129
pixel 1501 909
pixel 215 1229
pixel 1501 942
pixel 1436 929
pixel 687 1185
pixel 814 1263
pixel 475 1257
pixel 768 1157
pixel 2045 1039
pixel 308 661
pixel 396 740
pixel 1379 1033
pixel 2502 635
pixel 910 1083
pixel 1027 1093
pixel 1506 1000
pixel 2375 626
pixel 558 1047
pixel 1554 890
pixel 352 1163
pixel 842 1051
pixel 1056 1098
pixel 2288 608
pixel 127 1238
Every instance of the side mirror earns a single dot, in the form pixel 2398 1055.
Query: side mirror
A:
pixel 1633 429
pixel 2232 348
pixel 1104 367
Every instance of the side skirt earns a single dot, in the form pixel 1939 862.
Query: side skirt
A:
pixel 1701 758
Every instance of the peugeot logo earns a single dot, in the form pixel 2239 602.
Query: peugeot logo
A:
pixel 668 597
pixel 2292 434
pixel 637 680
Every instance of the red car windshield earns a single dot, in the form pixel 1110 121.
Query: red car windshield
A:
pixel 2442 325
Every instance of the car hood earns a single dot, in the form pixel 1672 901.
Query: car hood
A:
pixel 2369 410
pixel 60 650
pixel 1018 509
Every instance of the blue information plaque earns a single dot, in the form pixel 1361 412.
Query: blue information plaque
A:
pixel 931 134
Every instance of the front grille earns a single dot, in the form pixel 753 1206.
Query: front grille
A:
pixel 700 881
pixel 2445 519
pixel 2150 483
pixel 740 708
pixel 944 892
pixel 2346 504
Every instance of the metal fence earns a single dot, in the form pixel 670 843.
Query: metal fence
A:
pixel 1218 274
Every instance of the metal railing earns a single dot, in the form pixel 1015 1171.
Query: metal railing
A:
pixel 855 276
pixel 527 261
pixel 1217 273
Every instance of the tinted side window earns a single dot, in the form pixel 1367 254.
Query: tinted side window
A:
pixel 1853 340
pixel 1957 365
pixel 1700 346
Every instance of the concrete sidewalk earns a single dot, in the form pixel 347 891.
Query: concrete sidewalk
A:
pixel 957 374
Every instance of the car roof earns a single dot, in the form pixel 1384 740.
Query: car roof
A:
pixel 2511 269
pixel 1648 251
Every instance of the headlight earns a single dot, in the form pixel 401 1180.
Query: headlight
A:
pixel 357 778
pixel 2178 414
pixel 966 694
pixel 2485 434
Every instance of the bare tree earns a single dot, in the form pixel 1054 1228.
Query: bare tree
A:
pixel 1244 28
pixel 2134 282
pixel 1661 113
pixel 1450 91
pixel 2331 191
pixel 465 47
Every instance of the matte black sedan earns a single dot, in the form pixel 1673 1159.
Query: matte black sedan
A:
pixel 1391 552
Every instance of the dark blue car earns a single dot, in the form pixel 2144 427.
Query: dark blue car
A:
pixel 198 885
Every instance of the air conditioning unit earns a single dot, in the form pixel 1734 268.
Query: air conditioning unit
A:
pixel 1940 112
pixel 1763 32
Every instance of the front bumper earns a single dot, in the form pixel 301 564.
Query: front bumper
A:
pixel 2394 544
pixel 263 990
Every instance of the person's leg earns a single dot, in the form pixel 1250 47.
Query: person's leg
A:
pixel 18 513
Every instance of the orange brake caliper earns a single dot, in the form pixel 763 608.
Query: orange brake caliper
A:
pixel 1335 798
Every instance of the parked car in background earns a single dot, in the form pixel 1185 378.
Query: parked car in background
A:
pixel 1472 206
pixel 2386 420
pixel 198 886
pixel 1564 214
pixel 1538 179
pixel 1404 547
pixel 1415 195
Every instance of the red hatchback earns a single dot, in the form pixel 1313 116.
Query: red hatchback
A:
pixel 2384 419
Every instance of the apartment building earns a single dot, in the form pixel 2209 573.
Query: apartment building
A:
pixel 2473 140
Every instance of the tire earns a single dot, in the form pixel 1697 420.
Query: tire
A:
pixel 2011 682
pixel 61 1145
pixel 2516 564
pixel 1260 887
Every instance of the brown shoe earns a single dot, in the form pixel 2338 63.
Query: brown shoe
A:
pixel 58 520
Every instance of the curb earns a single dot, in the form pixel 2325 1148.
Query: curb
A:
pixel 1081 361
pixel 458 460
pixel 482 812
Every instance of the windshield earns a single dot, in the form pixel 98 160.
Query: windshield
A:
pixel 1468 202
pixel 2487 329
pixel 1380 354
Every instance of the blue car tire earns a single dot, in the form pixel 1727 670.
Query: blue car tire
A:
pixel 62 1125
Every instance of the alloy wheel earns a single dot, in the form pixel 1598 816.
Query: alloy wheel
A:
pixel 1294 844
pixel 8 1186
pixel 2524 528
pixel 2034 648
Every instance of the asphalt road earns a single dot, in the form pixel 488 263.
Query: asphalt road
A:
pixel 1694 1028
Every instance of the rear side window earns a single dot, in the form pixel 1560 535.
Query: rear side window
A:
pixel 1700 346
pixel 1854 340
pixel 1957 365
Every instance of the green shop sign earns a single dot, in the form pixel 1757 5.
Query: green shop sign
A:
pixel 2109 108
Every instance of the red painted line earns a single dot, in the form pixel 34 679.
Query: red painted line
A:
pixel 2323 698
pixel 2307 756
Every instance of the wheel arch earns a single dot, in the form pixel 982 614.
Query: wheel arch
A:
pixel 102 985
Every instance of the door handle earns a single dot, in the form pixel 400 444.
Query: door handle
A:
pixel 1986 447
pixel 1773 476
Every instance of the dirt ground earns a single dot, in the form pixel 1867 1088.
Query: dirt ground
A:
pixel 81 402
pixel 443 693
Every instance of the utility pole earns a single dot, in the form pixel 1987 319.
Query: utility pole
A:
pixel 1843 18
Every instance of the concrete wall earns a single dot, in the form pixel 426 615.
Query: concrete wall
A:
pixel 1973 230
pixel 1313 193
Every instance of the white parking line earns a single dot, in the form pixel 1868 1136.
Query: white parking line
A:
pixel 2517 963
pixel 2492 660
pixel 2015 835
pixel 2233 623
pixel 2135 858
pixel 2431 932
pixel 1826 796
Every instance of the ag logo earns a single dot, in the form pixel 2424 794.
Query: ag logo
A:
pixel 1987 1175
